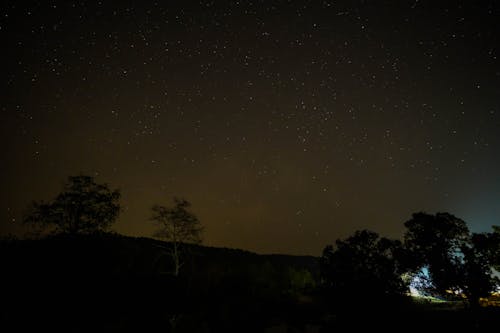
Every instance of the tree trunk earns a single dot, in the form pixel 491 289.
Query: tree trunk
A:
pixel 176 260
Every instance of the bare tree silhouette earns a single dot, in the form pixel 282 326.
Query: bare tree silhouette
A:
pixel 177 225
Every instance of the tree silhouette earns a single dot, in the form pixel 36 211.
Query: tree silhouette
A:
pixel 177 225
pixel 494 247
pixel 476 275
pixel 436 241
pixel 458 261
pixel 363 264
pixel 82 207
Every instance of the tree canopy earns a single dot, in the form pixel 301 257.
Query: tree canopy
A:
pixel 83 206
pixel 494 241
pixel 476 278
pixel 436 241
pixel 458 261
pixel 364 264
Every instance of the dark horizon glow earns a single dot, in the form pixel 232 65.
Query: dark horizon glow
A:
pixel 287 125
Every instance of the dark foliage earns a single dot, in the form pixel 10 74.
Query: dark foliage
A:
pixel 476 278
pixel 436 241
pixel 458 262
pixel 82 207
pixel 363 265
pixel 493 240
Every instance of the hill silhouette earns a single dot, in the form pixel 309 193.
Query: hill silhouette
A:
pixel 109 278
pixel 114 283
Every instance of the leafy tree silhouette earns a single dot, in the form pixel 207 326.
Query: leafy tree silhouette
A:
pixel 363 264
pixel 476 276
pixel 82 207
pixel 177 225
pixel 436 241
pixel 494 247
pixel 458 261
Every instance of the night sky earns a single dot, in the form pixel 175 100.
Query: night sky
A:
pixel 286 124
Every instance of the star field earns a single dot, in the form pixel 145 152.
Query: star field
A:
pixel 286 124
